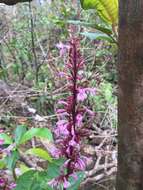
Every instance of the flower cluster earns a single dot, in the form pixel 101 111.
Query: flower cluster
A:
pixel 5 185
pixel 70 131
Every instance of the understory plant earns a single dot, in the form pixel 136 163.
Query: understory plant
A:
pixel 71 128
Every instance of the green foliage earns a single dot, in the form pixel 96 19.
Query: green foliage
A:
pixel 19 132
pixel 7 139
pixel 105 97
pixel 11 159
pixel 51 26
pixel 98 36
pixel 33 180
pixel 75 184
pixel 107 10
pixel 2 164
pixel 94 25
pixel 53 170
pixel 40 153
pixel 36 132
pixel 21 136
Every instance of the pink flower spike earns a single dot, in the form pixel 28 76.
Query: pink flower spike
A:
pixel 68 131
pixel 81 96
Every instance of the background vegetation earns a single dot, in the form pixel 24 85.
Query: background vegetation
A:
pixel 30 86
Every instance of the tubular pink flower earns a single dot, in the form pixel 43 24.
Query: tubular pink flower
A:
pixel 80 164
pixel 59 181
pixel 63 48
pixel 12 186
pixel 79 119
pixel 81 96
pixel 66 184
pixel 61 130
pixel 55 152
pixel 90 112
pixel 53 183
pixel 1 141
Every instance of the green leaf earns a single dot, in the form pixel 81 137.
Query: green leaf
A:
pixel 107 9
pixel 37 132
pixel 32 180
pixel 12 159
pixel 19 132
pixel 2 164
pixel 54 168
pixel 92 25
pixel 75 184
pixel 24 168
pixel 6 138
pixel 107 90
pixel 97 36
pixel 40 153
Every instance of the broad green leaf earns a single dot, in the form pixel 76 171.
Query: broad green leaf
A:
pixel 33 180
pixel 6 138
pixel 36 132
pixel 12 159
pixel 97 36
pixel 107 9
pixel 40 153
pixel 19 132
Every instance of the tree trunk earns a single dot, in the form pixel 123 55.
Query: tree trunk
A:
pixel 13 2
pixel 130 159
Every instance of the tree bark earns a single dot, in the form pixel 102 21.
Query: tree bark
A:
pixel 13 2
pixel 130 113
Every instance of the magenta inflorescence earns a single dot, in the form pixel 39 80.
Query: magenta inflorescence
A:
pixel 70 130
